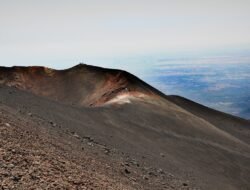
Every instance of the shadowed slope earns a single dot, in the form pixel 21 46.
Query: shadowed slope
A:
pixel 234 125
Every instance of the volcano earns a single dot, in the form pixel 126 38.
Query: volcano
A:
pixel 148 139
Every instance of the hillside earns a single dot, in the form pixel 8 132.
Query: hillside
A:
pixel 170 142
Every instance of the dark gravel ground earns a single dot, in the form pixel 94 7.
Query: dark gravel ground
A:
pixel 34 154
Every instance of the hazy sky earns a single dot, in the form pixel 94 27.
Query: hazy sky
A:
pixel 59 33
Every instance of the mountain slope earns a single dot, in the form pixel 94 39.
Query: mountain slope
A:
pixel 234 125
pixel 117 109
pixel 81 85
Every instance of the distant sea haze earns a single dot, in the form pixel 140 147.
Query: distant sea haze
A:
pixel 222 83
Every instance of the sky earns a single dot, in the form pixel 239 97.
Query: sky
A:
pixel 60 33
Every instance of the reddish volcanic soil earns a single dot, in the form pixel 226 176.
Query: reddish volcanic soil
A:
pixel 93 128
pixel 81 85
